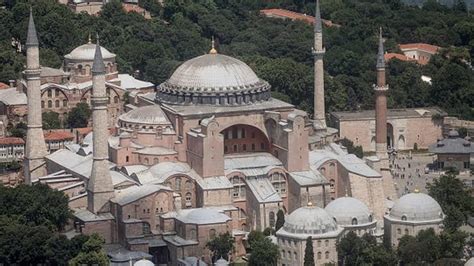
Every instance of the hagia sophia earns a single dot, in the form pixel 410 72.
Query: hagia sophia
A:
pixel 209 151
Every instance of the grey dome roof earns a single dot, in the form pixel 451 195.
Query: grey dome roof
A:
pixel 345 209
pixel 416 207
pixel 202 216
pixel 211 79
pixel 150 114
pixel 143 262
pixel 310 220
pixel 86 52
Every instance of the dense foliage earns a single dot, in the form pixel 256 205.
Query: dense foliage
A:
pixel 279 51
pixel 30 219
pixel 354 250
pixel 309 253
pixel 79 116
pixel 455 200
pixel 221 246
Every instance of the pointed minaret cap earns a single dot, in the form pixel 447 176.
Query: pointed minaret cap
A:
pixel 317 23
pixel 380 55
pixel 98 66
pixel 32 37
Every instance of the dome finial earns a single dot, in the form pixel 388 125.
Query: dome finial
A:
pixel 416 190
pixel 213 48
pixel 310 204
pixel 89 41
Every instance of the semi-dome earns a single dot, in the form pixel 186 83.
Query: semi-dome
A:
pixel 143 262
pixel 309 220
pixel 349 211
pixel 86 52
pixel 416 207
pixel 213 79
pixel 150 114
pixel 203 216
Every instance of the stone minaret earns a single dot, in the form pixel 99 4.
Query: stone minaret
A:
pixel 34 163
pixel 99 189
pixel 381 104
pixel 318 53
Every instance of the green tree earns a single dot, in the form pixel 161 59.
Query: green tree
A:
pixel 309 253
pixel 79 116
pixel 424 248
pixel 51 120
pixel 264 252
pixel 92 253
pixel 220 246
pixel 454 198
pixel 354 250
pixel 280 220
pixel 19 130
pixel 356 150
pixel 462 132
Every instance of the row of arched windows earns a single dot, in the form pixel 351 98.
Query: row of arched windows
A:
pixel 57 104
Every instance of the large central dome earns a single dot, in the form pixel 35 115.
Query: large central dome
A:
pixel 213 79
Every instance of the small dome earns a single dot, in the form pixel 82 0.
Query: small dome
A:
pixel 86 52
pixel 309 220
pixel 346 209
pixel 416 207
pixel 143 262
pixel 213 79
pixel 453 134
pixel 221 262
pixel 203 216
pixel 150 114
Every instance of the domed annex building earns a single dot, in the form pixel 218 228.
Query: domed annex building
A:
pixel 209 152
pixel 412 213
pixel 309 221
pixel 62 89
pixel 352 215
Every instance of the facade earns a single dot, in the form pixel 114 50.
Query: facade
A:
pixel 405 127
pixel 209 152
pixel 62 89
pixel 11 149
pixel 421 52
pixel 93 7
pixel 410 214
pixel 304 222
pixel 454 151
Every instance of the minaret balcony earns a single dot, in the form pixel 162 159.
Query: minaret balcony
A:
pixel 318 52
pixel 381 88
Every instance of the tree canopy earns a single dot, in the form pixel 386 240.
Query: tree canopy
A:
pixel 278 50
pixel 79 116
pixel 220 246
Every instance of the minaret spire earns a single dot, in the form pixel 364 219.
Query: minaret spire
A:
pixel 99 188
pixel 318 53
pixel 381 104
pixel 34 163
pixel 213 46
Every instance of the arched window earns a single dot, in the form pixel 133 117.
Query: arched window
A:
pixel 42 104
pixel 278 182
pixel 326 243
pixel 239 187
pixel 319 255
pixel 404 217
pixel 50 93
pixel 332 185
pixel 319 243
pixel 326 255
pixel 295 255
pixel 146 228
pixel 50 104
pixel 271 219
pixel 406 231
pixel 178 183
pixel 354 221
pixel 147 162
pixel 212 233
pixel 64 103
pixel 322 170
pixel 399 231
pixel 289 255
pixel 127 158
pixel 283 253
pixel 193 234
pixel 116 100
pixel 188 200
pixel 188 185
pixel 371 218
pixel 56 104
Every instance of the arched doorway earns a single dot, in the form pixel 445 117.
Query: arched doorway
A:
pixel 244 138
pixel 401 142
pixel 389 135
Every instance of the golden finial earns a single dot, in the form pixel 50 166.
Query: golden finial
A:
pixel 310 204
pixel 213 49
pixel 90 40
pixel 416 190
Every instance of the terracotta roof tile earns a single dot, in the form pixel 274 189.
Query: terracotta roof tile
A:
pixel 283 13
pixel 58 135
pixel 433 49
pixel 84 130
pixel 389 56
pixel 4 86
pixel 11 141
